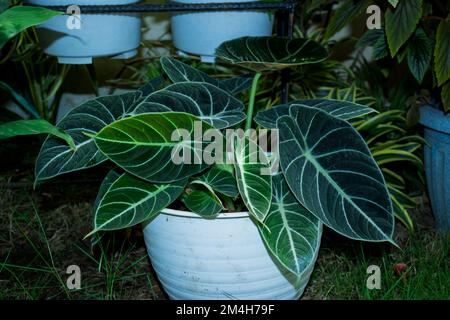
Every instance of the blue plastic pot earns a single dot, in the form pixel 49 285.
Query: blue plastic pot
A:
pixel 437 163
pixel 101 35
pixel 200 33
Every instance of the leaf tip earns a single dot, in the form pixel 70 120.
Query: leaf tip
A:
pixel 91 233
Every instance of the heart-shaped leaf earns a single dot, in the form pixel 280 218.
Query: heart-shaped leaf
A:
pixel 271 53
pixel 330 170
pixel 253 177
pixel 290 231
pixel 344 110
pixel 219 180
pixel 129 201
pixel 207 102
pixel 31 127
pixel 178 71
pixel 56 158
pixel 158 147
pixel 203 202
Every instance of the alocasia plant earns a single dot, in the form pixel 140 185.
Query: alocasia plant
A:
pixel 328 175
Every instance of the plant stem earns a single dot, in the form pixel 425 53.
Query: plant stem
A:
pixel 251 103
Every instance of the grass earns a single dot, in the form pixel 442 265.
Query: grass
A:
pixel 341 270
pixel 41 234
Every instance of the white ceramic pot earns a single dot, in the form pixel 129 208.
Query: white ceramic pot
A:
pixel 100 35
pixel 202 32
pixel 222 258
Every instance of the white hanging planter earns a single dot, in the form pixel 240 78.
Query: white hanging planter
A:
pixel 221 258
pixel 100 35
pixel 200 33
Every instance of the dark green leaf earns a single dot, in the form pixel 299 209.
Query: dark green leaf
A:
pixel 20 100
pixel 236 84
pixel 331 172
pixel 441 53
pixel 130 201
pixel 110 178
pixel 290 231
pixel 90 117
pixel 341 109
pixel 152 86
pixel 419 53
pixel 203 203
pixel 219 180
pixel 181 72
pixel 3 5
pixel 401 22
pixel 145 145
pixel 253 177
pixel 207 102
pixel 346 13
pixel 57 158
pixel 270 53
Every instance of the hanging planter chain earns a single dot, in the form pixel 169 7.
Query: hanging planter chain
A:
pixel 182 7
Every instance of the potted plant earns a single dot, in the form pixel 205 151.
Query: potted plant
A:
pixel 233 227
pixel 200 33
pixel 79 38
pixel 416 36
